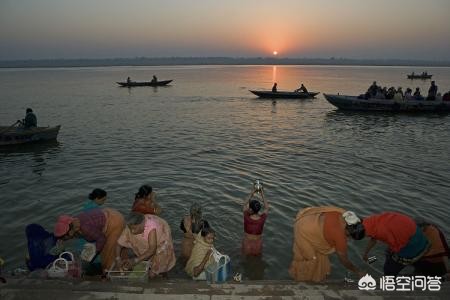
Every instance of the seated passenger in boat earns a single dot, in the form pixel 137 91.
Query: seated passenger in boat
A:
pixel 128 79
pixel 274 88
pixel 372 90
pixel 417 95
pixel 154 79
pixel 408 94
pixel 446 96
pixel 390 93
pixel 398 96
pixel 432 91
pixel 30 120
pixel 380 93
pixel 302 89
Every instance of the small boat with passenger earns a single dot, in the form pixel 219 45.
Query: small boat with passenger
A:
pixel 359 103
pixel 13 135
pixel 143 83
pixel 419 76
pixel 285 94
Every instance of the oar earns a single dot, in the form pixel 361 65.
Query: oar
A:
pixel 1 132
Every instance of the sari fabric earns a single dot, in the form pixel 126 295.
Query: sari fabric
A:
pixel 310 249
pixel 164 259
pixel 198 253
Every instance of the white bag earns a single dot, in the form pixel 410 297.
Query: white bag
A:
pixel 58 268
pixel 62 267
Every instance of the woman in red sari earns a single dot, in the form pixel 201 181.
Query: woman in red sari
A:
pixel 254 223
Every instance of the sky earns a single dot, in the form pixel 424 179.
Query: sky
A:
pixel 360 29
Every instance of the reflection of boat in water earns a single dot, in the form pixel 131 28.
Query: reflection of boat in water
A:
pixel 19 135
pixel 355 103
pixel 144 83
pixel 419 76
pixel 285 94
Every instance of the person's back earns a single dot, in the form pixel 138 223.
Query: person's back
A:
pixel 398 96
pixel 30 120
pixel 303 89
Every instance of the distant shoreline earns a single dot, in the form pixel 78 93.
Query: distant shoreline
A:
pixel 184 61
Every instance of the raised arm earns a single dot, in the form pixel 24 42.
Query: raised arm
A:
pixel 266 203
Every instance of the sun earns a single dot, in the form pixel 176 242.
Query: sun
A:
pixel 275 52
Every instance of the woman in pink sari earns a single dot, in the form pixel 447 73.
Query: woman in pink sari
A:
pixel 150 239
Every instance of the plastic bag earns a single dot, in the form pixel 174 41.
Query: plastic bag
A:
pixel 219 271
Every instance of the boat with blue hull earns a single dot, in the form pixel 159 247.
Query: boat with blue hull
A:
pixel 356 103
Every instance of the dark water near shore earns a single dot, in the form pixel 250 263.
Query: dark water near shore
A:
pixel 206 138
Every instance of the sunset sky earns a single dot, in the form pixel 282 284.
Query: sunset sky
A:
pixel 411 29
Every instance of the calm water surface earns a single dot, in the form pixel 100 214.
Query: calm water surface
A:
pixel 205 139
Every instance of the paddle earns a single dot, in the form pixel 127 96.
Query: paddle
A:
pixel 1 132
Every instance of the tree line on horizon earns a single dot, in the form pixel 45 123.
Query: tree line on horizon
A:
pixel 162 61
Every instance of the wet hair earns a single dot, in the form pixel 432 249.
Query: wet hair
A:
pixel 255 206
pixel 135 218
pixel 356 231
pixel 143 192
pixel 196 215
pixel 29 110
pixel 200 225
pixel 97 193
pixel 195 211
pixel 207 230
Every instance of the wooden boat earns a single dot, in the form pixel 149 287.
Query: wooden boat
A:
pixel 345 102
pixel 285 94
pixel 144 83
pixel 419 76
pixel 19 135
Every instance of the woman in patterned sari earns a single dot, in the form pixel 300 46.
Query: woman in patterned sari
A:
pixel 150 239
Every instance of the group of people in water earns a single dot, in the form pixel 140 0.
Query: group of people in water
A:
pixel 146 237
pixel 318 232
pixel 377 92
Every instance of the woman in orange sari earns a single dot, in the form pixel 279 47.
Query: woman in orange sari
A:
pixel 319 232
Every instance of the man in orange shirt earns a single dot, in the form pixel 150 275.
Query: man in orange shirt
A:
pixel 406 241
